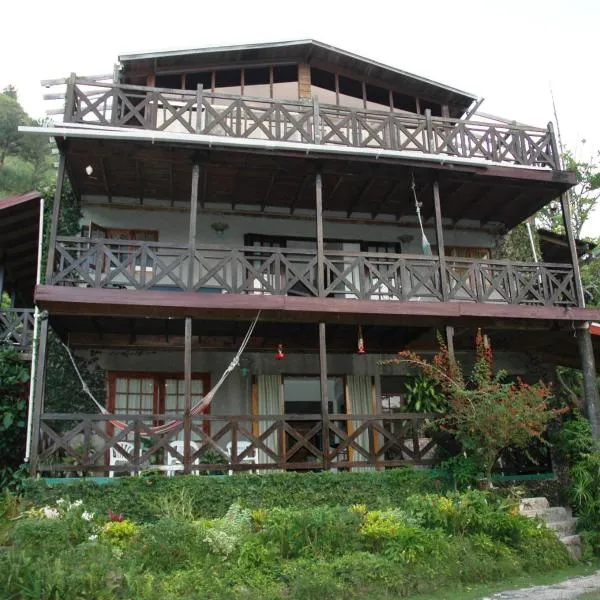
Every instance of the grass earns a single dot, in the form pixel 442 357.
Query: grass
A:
pixel 472 592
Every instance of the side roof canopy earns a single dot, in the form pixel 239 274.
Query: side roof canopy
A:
pixel 136 66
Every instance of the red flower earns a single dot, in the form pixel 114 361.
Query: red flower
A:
pixel 115 518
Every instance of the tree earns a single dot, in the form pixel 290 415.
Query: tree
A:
pixel 485 414
pixel 583 198
pixel 11 116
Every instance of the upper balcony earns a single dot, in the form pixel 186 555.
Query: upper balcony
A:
pixel 267 271
pixel 94 103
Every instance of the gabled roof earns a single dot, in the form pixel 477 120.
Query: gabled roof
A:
pixel 309 51
pixel 19 235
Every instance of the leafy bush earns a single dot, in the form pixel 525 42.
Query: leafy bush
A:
pixel 142 499
pixel 318 531
pixel 357 551
pixel 14 376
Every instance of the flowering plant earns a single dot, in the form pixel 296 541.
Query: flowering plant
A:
pixel 485 413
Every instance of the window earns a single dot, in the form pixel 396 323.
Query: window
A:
pixel 153 393
pixel 351 92
pixel 393 393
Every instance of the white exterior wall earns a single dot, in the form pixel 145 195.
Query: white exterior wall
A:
pixel 173 227
pixel 234 397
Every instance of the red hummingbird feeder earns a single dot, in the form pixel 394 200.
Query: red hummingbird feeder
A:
pixel 361 342
pixel 280 354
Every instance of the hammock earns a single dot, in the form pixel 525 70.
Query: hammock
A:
pixel 425 245
pixel 198 408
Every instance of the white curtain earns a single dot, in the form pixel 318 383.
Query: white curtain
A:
pixel 270 402
pixel 360 402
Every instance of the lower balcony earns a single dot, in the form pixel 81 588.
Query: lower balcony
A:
pixel 251 270
pixel 16 328
pixel 100 445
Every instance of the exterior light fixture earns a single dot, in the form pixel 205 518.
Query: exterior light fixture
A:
pixel 89 170
pixel 219 227
pixel 244 366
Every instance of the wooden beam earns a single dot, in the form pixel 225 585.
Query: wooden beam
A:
pixel 187 393
pixel 60 178
pixel 38 397
pixel 324 393
pixel 568 224
pixel 104 172
pixel 140 180
pixel 172 183
pixel 440 240
pixel 153 304
pixel 319 234
pixel 268 191
pixel 591 399
pixel 305 180
pixel 335 188
pixel 361 196
pixel 386 197
pixel 192 228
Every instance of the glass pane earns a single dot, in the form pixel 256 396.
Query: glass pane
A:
pixel 197 386
pixel 135 386
pixel 147 386
pixel 121 403
pixel 121 386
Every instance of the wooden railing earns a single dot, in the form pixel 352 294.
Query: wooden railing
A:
pixel 511 282
pixel 197 111
pixel 128 264
pixel 16 327
pixel 83 443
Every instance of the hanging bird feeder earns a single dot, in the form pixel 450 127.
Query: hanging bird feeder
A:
pixel 280 355
pixel 361 342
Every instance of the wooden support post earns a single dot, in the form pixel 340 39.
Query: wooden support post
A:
pixel 1 280
pixel 187 393
pixel 324 394
pixel 439 234
pixel 591 399
pixel 319 228
pixel 450 341
pixel 38 397
pixel 566 215
pixel 192 230
pixel 60 178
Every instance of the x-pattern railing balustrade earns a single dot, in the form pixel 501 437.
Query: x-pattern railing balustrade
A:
pixel 215 113
pixel 511 282
pixel 129 264
pixel 16 327
pixel 83 442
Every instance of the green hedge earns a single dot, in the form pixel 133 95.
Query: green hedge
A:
pixel 138 498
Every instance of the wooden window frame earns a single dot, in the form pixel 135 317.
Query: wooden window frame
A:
pixel 159 378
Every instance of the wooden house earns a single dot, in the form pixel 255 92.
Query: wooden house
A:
pixel 345 209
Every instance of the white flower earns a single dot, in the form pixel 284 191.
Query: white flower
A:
pixel 60 501
pixel 93 538
pixel 87 515
pixel 75 504
pixel 50 513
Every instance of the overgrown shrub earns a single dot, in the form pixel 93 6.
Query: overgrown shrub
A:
pixel 142 499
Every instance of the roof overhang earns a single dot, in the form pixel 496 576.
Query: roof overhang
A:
pixel 358 182
pixel 19 237
pixel 306 51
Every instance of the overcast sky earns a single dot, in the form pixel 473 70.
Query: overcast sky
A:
pixel 511 52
